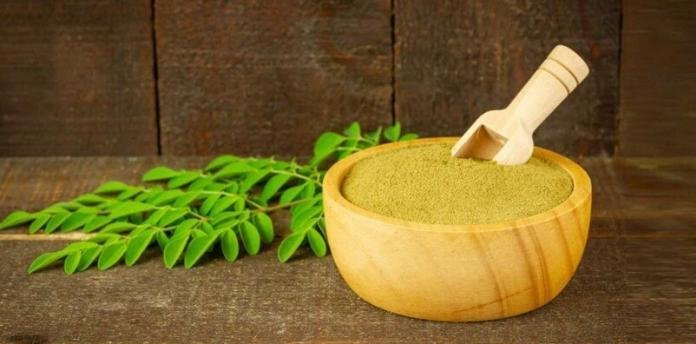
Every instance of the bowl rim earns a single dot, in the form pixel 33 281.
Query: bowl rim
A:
pixel 333 180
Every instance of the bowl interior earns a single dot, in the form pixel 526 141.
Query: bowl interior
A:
pixel 337 173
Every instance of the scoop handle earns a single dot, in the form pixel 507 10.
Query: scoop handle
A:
pixel 561 72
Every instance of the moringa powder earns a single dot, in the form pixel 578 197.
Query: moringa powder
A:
pixel 426 184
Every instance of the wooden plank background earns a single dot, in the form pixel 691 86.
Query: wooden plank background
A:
pixel 76 78
pixel 142 77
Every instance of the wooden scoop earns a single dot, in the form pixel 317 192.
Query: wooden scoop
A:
pixel 506 135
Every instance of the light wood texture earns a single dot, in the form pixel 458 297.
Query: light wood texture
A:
pixel 506 135
pixel 456 272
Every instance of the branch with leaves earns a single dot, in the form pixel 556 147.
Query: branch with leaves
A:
pixel 188 213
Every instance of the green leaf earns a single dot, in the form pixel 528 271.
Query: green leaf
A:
pixel 200 184
pixel 159 173
pixel 111 254
pixel 112 187
pixel 408 137
pixel 185 225
pixel 104 238
pixel 117 227
pixel 229 245
pixel 183 179
pixel 223 217
pixel 209 203
pixel 88 257
pixel 72 261
pixel 55 222
pixel 90 199
pixel 222 205
pixel 327 143
pixel 353 130
pixel 308 190
pixel 75 221
pixel 289 246
pixel 220 161
pixel 80 245
pixel 252 179
pixel 393 132
pixel 250 238
pixel 174 249
pixel 45 260
pixel 172 216
pixel 264 224
pixel 374 136
pixel 137 245
pixel 197 248
pixel 39 222
pixel 186 199
pixel 316 242
pixel 290 194
pixel 162 239
pixel 302 219
pixel 273 185
pixel 16 218
pixel 96 223
pixel 233 169
pixel 166 197
pixel 128 194
pixel 130 208
pixel 156 216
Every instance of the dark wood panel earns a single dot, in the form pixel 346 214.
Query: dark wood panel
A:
pixel 262 77
pixel 658 78
pixel 76 78
pixel 457 59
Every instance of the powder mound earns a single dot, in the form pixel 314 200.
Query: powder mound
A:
pixel 425 184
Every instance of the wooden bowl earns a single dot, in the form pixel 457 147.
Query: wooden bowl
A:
pixel 456 272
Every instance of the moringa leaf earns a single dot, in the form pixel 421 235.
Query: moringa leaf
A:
pixel 137 245
pixel 185 225
pixel 353 130
pixel 252 179
pixel 16 218
pixel 172 216
pixel 393 132
pixel 233 169
pixel 250 237
pixel 89 255
pixel 45 260
pixel 111 254
pixel 183 179
pixel 75 221
pixel 316 242
pixel 327 143
pixel 156 216
pixel 289 246
pixel 117 227
pixel 90 199
pixel 96 223
pixel 273 185
pixel 222 204
pixel 72 261
pixel 112 186
pixel 128 194
pixel 209 203
pixel 264 225
pixel 197 248
pixel 159 173
pixel 39 222
pixel 174 249
pixel 220 161
pixel 229 245
pixel 130 208
pixel 166 197
pixel 290 194
pixel 408 137
pixel 186 199
pixel 56 221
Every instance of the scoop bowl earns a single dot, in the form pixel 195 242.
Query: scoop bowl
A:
pixel 456 272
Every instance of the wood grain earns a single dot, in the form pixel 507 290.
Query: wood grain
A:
pixel 456 272
pixel 634 283
pixel 658 79
pixel 457 59
pixel 76 78
pixel 254 77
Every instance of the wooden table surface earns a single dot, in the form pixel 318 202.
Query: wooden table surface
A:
pixel 636 282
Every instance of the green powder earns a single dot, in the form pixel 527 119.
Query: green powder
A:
pixel 425 184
